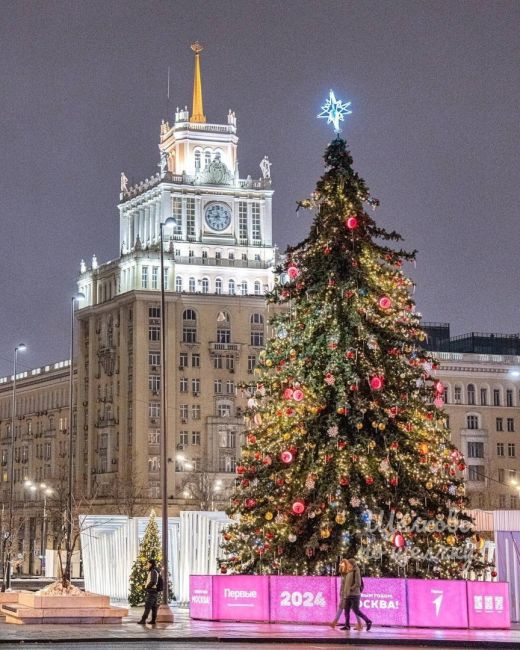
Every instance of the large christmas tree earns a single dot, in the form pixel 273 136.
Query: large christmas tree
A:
pixel 347 447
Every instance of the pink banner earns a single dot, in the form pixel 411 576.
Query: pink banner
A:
pixel 201 597
pixel 300 599
pixel 437 603
pixel 241 598
pixel 488 605
pixel 383 600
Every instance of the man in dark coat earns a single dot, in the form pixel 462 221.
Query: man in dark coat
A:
pixel 151 603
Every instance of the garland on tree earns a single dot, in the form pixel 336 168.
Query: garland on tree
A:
pixel 347 449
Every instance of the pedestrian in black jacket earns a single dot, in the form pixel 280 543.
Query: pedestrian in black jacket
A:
pixel 152 593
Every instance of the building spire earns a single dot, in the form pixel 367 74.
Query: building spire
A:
pixel 197 114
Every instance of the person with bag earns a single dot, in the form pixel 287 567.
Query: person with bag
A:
pixel 343 568
pixel 351 587
pixel 153 587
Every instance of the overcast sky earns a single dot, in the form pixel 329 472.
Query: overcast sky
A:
pixel 435 92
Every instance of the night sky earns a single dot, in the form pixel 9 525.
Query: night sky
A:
pixel 435 92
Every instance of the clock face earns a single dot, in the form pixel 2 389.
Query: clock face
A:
pixel 218 216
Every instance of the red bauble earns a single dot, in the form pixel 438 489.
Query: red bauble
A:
pixel 250 503
pixel 286 457
pixel 376 383
pixel 293 272
pixel 369 480
pixel 398 540
pixel 385 302
pixel 394 481
pixel 327 250
pixel 343 480
pixel 350 354
pixel 354 387
pixel 298 507
pixel 288 393
pixel 240 469
pixel 494 574
pixel 351 223
pixel 223 569
pixel 280 482
pixel 298 395
pixel 342 444
pixel 251 439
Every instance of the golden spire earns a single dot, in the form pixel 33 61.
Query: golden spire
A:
pixel 197 114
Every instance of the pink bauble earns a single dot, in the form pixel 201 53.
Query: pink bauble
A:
pixel 286 457
pixel 385 302
pixel 288 393
pixel 352 223
pixel 438 402
pixel 293 272
pixel 376 383
pixel 298 395
pixel 439 388
pixel 398 540
pixel 298 507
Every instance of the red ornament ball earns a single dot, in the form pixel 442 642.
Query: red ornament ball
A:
pixel 298 507
pixel 394 481
pixel 369 480
pixel 293 272
pixel 352 223
pixel 223 569
pixel 286 457
pixel 376 383
pixel 385 302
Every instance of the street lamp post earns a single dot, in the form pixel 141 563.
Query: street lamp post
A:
pixel 68 515
pixel 165 614
pixel 6 579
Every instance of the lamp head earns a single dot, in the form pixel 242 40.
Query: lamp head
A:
pixel 27 483
pixel 170 222
pixel 78 297
pixel 21 347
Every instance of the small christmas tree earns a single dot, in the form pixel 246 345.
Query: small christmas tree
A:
pixel 149 549
pixel 345 429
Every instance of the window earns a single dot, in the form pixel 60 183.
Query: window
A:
pixel 501 500
pixel 255 222
pixel 227 464
pixel 257 319
pixel 154 437
pixel 195 412
pixel 471 394
pixel 230 362
pixel 257 330
pixel 511 474
pixel 144 277
pixel 153 463
pixel 500 448
pixel 243 288
pixel 496 397
pixel 154 410
pixel 223 335
pixel 218 286
pixel 217 362
pixel 258 288
pixel 154 383
pixel 191 285
pixel 195 386
pixel 195 437
pixel 197 161
pixel 227 439
pixel 257 338
pixel 189 334
pixel 242 220
pixel 457 394
pixel 207 158
pixel 183 438
pixel 195 360
pixel 230 387
pixel 231 255
pixel 475 473
pixel 205 285
pixel 217 386
pixel 178 283
pixel 177 214
pixel 500 424
pixel 165 279
pixel 475 450
pixel 509 397
pixel 251 363
pixel 204 255
pixel 472 421
pixel 190 217
pixel 483 396
pixel 514 502
pixel 155 275
pixel 183 360
pixel 511 449
pixel 501 478
pixel 183 385
pixel 510 424
pixel 183 411
pixel 218 255
pixel 231 287
pixel 223 410
pixel 154 358
pixel 189 329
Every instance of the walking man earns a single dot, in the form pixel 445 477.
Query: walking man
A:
pixel 152 588
pixel 351 585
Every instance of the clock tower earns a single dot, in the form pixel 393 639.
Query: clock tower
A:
pixel 218 263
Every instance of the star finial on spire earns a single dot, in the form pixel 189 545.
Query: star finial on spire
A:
pixel 334 111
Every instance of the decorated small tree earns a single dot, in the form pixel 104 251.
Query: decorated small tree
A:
pixel 149 548
pixel 347 448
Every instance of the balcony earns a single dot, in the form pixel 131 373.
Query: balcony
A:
pixel 215 347
pixel 215 261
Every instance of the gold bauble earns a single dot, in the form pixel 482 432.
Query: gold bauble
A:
pixel 451 540
pixel 269 515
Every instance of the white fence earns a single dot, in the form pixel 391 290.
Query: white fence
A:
pixel 110 544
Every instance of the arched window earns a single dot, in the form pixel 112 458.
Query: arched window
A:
pixel 257 330
pixel 191 285
pixel 205 285
pixel 243 288
pixel 189 326
pixel 197 160
pixel 178 283
pixel 223 327
pixel 258 288
pixel 218 285
pixel 471 394
pixel 457 394
pixel 231 287
pixel 207 157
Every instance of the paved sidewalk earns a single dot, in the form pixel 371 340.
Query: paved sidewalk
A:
pixel 197 632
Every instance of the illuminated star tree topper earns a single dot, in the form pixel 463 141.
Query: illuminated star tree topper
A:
pixel 334 110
